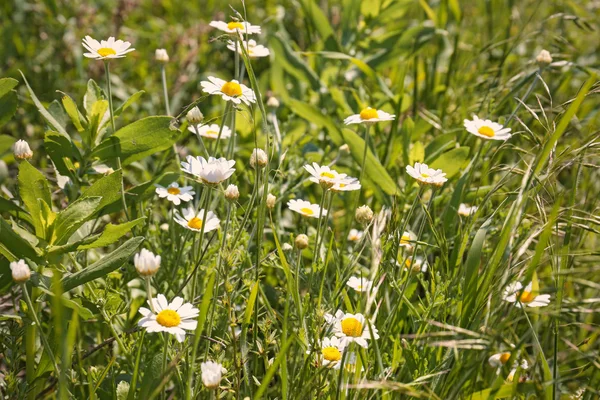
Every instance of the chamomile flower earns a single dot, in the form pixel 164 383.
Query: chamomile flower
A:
pixel 498 360
pixel 174 193
pixel 514 293
pixel 355 235
pixel 415 265
pixel 465 211
pixel 146 263
pixel 323 175
pixel 332 350
pixel 236 26
pixel 212 171
pixel 194 220
pixel 174 318
pixel 210 131
pixel 306 208
pixel 22 151
pixel 230 91
pixel 105 49
pixel 361 284
pixel 486 129
pixel 369 116
pixel 20 271
pixel 425 175
pixel 254 50
pixel 212 373
pixel 353 328
pixel 407 239
pixel 347 184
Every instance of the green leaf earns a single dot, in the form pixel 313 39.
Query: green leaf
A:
pixel 62 152
pixel 417 153
pixel 321 23
pixel 469 293
pixel 334 55
pixel 12 246
pixel 6 143
pixel 108 187
pixel 72 112
pixel 7 205
pixel 112 233
pixel 96 115
pixel 451 161
pixel 104 266
pixel 8 106
pixel 92 95
pixel 71 218
pixel 7 84
pixel 33 186
pixel 138 140
pixel 293 64
pixel 132 99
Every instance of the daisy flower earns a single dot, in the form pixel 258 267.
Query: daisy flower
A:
pixel 514 293
pixel 212 171
pixel 105 49
pixel 407 239
pixel 146 263
pixel 426 175
pixel 355 235
pixel 417 265
pixel 22 151
pixel 332 350
pixel 210 131
pixel 236 26
pixel 174 318
pixel 353 328
pixel 193 221
pixel 20 271
pixel 212 373
pixel 465 211
pixel 486 129
pixel 230 91
pixel 306 208
pixel 369 116
pixel 323 175
pixel 175 194
pixel 498 360
pixel 360 284
pixel 254 50
pixel 347 184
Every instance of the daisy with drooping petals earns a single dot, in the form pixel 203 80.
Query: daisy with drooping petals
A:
pixel 425 175
pixel 236 26
pixel 359 284
pixel 212 372
pixel 353 328
pixel 306 208
pixel 514 293
pixel 466 211
pixel 210 131
pixel 486 129
pixel 415 265
pixel 175 194
pixel 105 49
pixel 194 221
pixel 498 360
pixel 346 185
pixel 369 116
pixel 332 350
pixel 174 318
pixel 323 175
pixel 355 235
pixel 254 50
pixel 212 171
pixel 229 91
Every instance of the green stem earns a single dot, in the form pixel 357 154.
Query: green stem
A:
pixel 149 292
pixel 164 361
pixel 165 92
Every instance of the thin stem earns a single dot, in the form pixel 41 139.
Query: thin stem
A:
pixel 524 99
pixel 165 92
pixel 164 361
pixel 149 293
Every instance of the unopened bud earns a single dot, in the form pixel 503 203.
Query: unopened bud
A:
pixel 345 149
pixel 364 215
pixel 258 158
pixel 273 102
pixel 544 58
pixel 271 200
pixel 195 116
pixel 232 193
pixel 161 55
pixel 22 151
pixel 301 241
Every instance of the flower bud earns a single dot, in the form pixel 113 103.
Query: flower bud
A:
pixel 122 390
pixel 20 271
pixel 195 116
pixel 273 102
pixel 286 247
pixel 146 263
pixel 212 373
pixel 301 241
pixel 364 215
pixel 258 157
pixel 344 149
pixel 232 193
pixel 544 58
pixel 271 200
pixel 22 151
pixel 161 55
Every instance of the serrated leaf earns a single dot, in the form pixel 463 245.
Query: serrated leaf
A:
pixel 33 186
pixel 72 217
pixel 72 112
pixel 107 187
pixel 62 152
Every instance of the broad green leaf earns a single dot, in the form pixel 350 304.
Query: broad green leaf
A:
pixel 293 64
pixel 33 186
pixel 58 112
pixel 8 106
pixel 7 84
pixel 92 95
pixel 108 187
pixel 132 99
pixel 72 217
pixel 12 246
pixel 138 140
pixel 74 305
pixel 6 143
pixel 451 161
pixel 72 112
pixel 7 205
pixel 62 152
pixel 95 117
pixel 111 233
pixel 321 23
pixel 417 153
pixel 104 266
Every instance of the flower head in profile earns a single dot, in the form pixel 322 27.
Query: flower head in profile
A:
pixel 323 175
pixel 174 193
pixel 254 50
pixel 465 210
pixel 195 221
pixel 425 175
pixel 174 318
pixel 369 116
pixel 161 55
pixel 20 271
pixel 258 158
pixel 212 372
pixel 355 235
pixel 236 26
pixel 105 49
pixel 146 263
pixel 415 264
pixel 22 151
pixel 210 131
pixel 230 91
pixel 306 208
pixel 346 184
pixel 212 171
pixel 353 328
pixel 514 293
pixel 498 360
pixel 361 284
pixel 332 350
pixel 407 239
pixel 486 129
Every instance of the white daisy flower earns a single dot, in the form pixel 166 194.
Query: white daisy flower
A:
pixel 407 239
pixel 324 175
pixel 236 26
pixel 332 350
pixel 174 318
pixel 355 235
pixel 105 49
pixel 498 360
pixel 22 151
pixel 465 211
pixel 360 284
pixel 419 264
pixel 211 131
pixel 230 91
pixel 174 193
pixel 212 171
pixel 347 184
pixel 306 208
pixel 146 263
pixel 486 129
pixel 353 328
pixel 212 373
pixel 20 271
pixel 254 50
pixel 525 296
pixel 193 221
pixel 369 116
pixel 426 175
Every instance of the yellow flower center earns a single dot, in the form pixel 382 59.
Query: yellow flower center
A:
pixel 332 354
pixel 527 297
pixel 504 358
pixel 235 25
pixel 424 175
pixel 405 239
pixel 173 190
pixel 486 131
pixel 168 318
pixel 307 211
pixel 341 185
pixel 369 113
pixel 195 223
pixel 352 327
pixel 232 89
pixel 212 133
pixel 327 175
pixel 106 51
